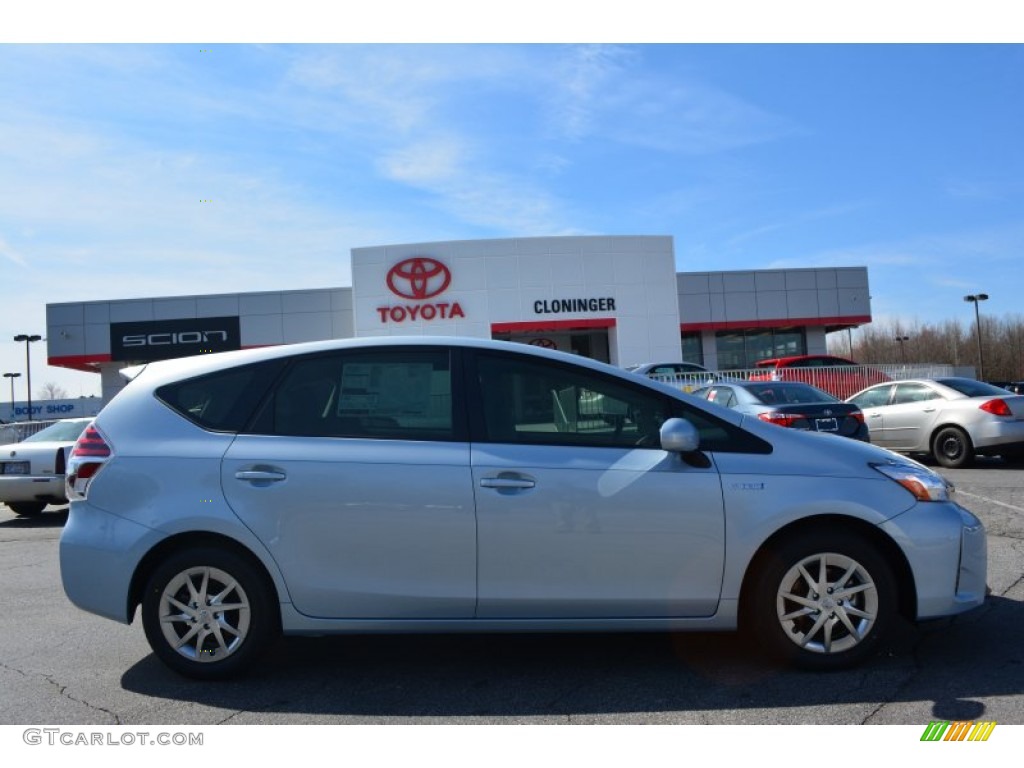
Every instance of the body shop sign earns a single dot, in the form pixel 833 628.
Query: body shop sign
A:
pixel 166 339
pixel 419 280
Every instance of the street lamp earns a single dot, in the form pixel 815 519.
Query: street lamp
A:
pixel 12 377
pixel 974 298
pixel 903 349
pixel 28 368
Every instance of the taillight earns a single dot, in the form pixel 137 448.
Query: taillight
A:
pixel 782 419
pixel 91 443
pixel 997 407
pixel 90 453
pixel 858 415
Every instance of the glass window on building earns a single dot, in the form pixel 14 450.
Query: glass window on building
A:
pixel 731 351
pixel 693 348
pixel 742 349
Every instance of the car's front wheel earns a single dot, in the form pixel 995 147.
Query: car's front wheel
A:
pixel 822 600
pixel 208 613
pixel 26 508
pixel 952 448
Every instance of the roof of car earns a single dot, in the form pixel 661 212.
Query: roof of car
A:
pixel 197 365
pixel 783 361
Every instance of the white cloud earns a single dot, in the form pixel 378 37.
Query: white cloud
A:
pixel 9 253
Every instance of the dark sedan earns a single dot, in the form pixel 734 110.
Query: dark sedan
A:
pixel 789 404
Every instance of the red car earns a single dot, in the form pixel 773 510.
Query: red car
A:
pixel 836 375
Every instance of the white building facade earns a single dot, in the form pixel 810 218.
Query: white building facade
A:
pixel 613 298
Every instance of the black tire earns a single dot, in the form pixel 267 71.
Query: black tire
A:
pixel 26 508
pixel 952 448
pixel 795 622
pixel 185 630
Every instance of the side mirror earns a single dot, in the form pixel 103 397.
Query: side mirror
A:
pixel 679 436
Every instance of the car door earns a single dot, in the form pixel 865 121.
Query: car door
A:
pixel 912 415
pixel 356 477
pixel 873 403
pixel 580 514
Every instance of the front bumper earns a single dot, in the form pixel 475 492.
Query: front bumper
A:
pixel 947 551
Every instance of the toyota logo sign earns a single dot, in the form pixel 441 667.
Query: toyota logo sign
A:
pixel 419 278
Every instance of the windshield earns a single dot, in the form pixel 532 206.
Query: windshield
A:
pixel 61 432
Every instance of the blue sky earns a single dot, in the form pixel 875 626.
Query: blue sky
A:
pixel 905 158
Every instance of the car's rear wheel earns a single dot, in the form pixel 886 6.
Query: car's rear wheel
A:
pixel 26 508
pixel 822 600
pixel 952 448
pixel 208 613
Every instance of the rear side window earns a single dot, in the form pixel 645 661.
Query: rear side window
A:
pixel 397 394
pixel 223 401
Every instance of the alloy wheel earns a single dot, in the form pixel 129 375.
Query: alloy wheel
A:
pixel 827 603
pixel 204 614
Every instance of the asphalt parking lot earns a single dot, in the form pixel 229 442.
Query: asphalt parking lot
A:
pixel 61 665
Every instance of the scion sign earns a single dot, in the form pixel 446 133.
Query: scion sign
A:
pixel 165 339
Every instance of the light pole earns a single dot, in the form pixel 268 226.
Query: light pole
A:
pixel 903 350
pixel 12 377
pixel 974 298
pixel 28 339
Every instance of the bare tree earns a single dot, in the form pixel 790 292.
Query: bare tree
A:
pixel 949 341
pixel 51 391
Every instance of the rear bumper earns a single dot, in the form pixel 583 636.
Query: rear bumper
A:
pixel 994 435
pixel 47 488
pixel 99 553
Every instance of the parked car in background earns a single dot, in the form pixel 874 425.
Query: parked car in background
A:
pixel 951 419
pixel 789 404
pixel 687 376
pixel 836 375
pixel 32 471
pixel 457 485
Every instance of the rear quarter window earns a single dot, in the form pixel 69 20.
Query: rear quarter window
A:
pixel 223 401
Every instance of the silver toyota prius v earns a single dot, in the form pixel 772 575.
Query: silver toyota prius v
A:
pixel 456 485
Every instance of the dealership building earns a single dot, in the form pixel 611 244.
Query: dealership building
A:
pixel 613 298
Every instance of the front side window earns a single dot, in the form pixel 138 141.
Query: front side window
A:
pixel 525 401
pixel 872 398
pixel 913 393
pixel 542 403
pixel 388 394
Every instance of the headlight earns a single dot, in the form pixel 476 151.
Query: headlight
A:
pixel 924 484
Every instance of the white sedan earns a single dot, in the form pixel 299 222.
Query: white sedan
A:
pixel 32 471
pixel 952 419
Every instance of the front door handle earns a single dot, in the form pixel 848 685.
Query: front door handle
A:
pixel 508 481
pixel 260 476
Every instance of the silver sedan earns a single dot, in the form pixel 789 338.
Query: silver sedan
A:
pixel 32 471
pixel 952 419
